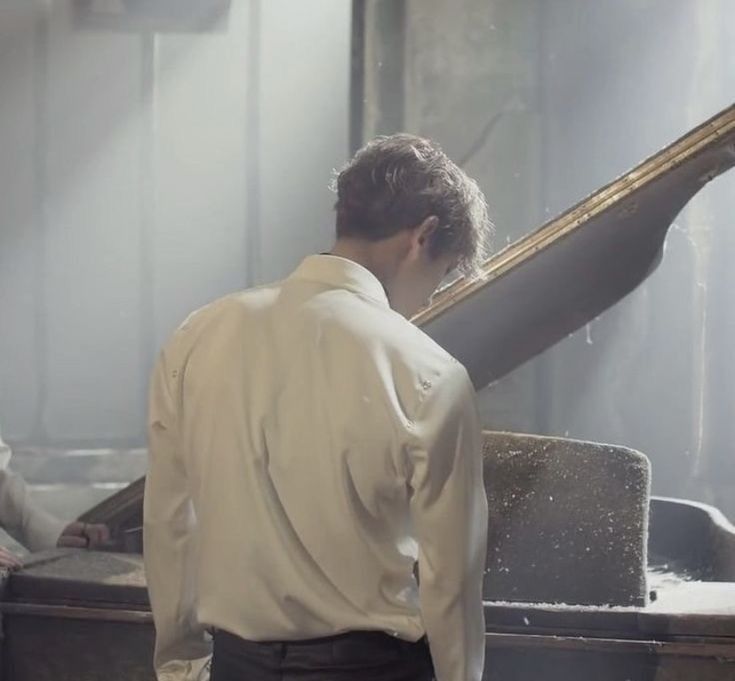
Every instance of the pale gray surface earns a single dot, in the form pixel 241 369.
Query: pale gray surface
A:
pixel 142 176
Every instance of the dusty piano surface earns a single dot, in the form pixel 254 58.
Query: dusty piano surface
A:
pixel 686 631
pixel 589 578
pixel 85 616
pixel 77 616
pixel 686 634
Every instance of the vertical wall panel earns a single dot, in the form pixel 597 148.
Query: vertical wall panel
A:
pixel 137 187
pixel 18 220
pixel 91 268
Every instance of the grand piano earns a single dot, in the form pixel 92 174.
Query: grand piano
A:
pixel 85 616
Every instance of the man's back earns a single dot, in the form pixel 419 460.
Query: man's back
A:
pixel 294 412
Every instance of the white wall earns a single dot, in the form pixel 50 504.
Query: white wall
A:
pixel 142 175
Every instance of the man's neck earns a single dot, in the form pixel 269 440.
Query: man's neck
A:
pixel 363 253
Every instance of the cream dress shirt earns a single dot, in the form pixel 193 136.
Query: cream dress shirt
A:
pixel 307 445
pixel 20 516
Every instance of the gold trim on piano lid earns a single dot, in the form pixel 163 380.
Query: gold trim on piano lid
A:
pixel 707 134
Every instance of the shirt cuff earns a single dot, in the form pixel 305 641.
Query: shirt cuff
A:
pixel 185 670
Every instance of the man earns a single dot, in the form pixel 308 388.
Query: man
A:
pixel 308 444
pixel 31 525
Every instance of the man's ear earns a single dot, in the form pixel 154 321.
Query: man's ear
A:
pixel 425 229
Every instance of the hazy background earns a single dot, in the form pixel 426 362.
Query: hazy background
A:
pixel 545 101
pixel 155 155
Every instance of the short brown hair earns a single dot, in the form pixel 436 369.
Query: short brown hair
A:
pixel 395 182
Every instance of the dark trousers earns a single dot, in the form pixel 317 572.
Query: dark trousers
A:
pixel 354 656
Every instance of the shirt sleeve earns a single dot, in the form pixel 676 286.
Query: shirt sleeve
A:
pixel 449 516
pixel 20 515
pixel 169 535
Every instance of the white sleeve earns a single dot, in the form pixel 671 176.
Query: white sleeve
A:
pixel 169 534
pixel 449 516
pixel 20 515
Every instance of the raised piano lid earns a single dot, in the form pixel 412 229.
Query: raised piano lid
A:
pixel 552 282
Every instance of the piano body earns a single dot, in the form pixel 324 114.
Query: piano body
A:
pixel 85 616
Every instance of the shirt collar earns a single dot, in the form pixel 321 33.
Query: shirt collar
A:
pixel 339 272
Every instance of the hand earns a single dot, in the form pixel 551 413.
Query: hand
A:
pixel 9 560
pixel 84 536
